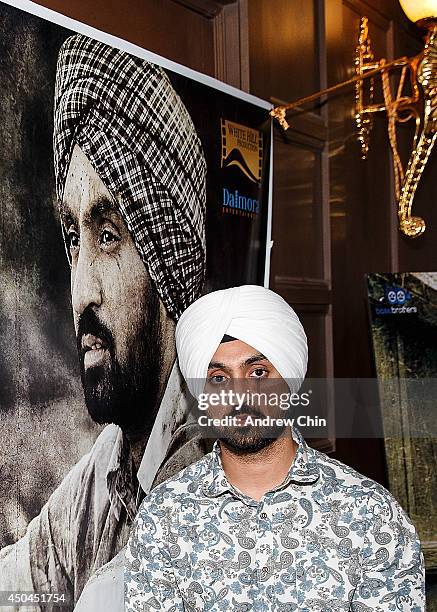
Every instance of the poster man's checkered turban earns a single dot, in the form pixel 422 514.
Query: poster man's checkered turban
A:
pixel 128 120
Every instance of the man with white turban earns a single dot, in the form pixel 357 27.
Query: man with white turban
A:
pixel 265 522
pixel 131 183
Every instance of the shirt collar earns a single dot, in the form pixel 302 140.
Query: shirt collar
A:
pixel 304 468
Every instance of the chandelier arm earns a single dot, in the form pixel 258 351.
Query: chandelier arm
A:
pixel 279 112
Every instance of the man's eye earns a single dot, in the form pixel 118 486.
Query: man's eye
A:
pixel 73 240
pixel 218 379
pixel 259 373
pixel 107 237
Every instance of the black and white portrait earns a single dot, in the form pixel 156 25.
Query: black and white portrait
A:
pixel 113 220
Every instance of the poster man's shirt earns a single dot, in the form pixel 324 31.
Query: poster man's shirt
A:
pixel 86 521
pixel 326 539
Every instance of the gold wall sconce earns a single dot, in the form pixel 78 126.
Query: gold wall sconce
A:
pixel 420 105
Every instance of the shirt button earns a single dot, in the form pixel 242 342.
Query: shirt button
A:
pixel 263 515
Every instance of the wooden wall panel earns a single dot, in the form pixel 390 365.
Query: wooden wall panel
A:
pixel 284 60
pixel 298 188
pixel 157 25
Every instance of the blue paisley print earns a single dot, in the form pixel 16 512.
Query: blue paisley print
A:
pixel 327 539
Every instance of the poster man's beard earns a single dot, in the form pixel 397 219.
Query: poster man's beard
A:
pixel 124 393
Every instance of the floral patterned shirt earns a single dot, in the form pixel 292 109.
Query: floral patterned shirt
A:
pixel 327 539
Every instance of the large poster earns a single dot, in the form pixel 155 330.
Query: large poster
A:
pixel 129 187
pixel 403 317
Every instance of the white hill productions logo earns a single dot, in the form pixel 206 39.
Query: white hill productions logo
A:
pixel 242 149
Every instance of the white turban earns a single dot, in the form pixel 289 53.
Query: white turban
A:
pixel 257 316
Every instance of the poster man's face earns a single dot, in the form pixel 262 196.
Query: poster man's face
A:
pixel 115 308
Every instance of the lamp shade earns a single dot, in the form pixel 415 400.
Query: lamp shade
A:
pixel 419 10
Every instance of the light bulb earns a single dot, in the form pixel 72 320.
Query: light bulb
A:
pixel 420 10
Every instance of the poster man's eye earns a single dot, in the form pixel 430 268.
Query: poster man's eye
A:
pixel 73 240
pixel 108 238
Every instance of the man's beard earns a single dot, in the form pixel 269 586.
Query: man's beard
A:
pixel 125 393
pixel 251 438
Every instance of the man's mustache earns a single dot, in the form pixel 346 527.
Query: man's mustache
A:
pixel 89 323
pixel 245 410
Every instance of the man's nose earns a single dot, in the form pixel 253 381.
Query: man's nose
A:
pixel 86 288
pixel 240 385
